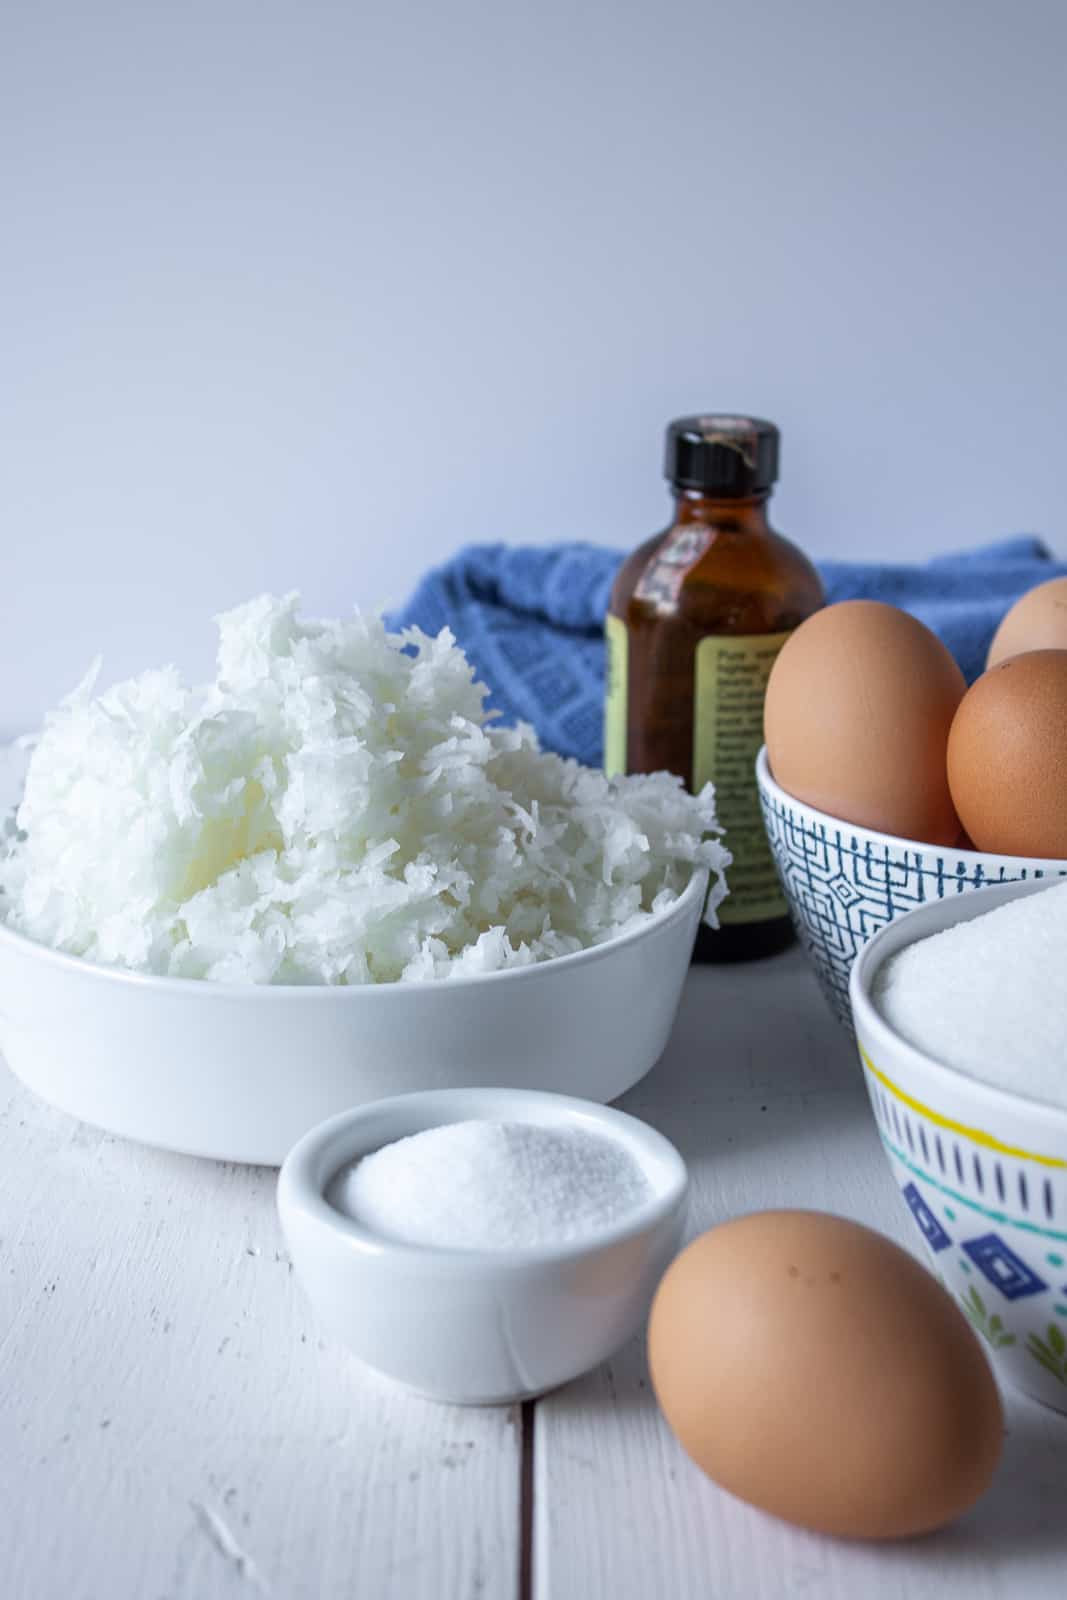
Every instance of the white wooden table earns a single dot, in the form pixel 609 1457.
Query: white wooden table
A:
pixel 173 1427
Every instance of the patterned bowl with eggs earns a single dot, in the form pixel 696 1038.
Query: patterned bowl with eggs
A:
pixel 983 1172
pixel 844 883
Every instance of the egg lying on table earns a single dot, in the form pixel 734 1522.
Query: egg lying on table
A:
pixel 815 1369
pixel 858 710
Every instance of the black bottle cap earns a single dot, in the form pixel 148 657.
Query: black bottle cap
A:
pixel 723 456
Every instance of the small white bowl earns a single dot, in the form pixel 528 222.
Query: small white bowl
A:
pixel 472 1327
pixel 241 1071
pixel 982 1171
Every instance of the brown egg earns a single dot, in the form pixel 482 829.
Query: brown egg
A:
pixel 815 1369
pixel 857 715
pixel 1007 757
pixel 1036 622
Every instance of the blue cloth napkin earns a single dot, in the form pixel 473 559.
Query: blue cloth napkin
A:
pixel 531 618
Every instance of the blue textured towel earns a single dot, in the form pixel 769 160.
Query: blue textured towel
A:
pixel 531 618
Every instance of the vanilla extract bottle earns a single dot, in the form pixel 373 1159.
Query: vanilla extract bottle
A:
pixel 698 614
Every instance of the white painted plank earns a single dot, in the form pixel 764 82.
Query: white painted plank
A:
pixel 761 1091
pixel 171 1425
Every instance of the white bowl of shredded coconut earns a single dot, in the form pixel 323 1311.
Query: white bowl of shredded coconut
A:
pixel 229 911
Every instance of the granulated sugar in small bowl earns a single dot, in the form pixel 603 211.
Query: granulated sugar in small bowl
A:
pixel 490 1185
pixel 959 1010
pixel 228 912
pixel 482 1246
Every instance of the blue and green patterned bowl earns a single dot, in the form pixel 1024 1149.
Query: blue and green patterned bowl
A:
pixel 982 1172
pixel 843 883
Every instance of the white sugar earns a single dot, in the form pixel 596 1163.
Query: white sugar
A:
pixel 989 996
pixel 492 1186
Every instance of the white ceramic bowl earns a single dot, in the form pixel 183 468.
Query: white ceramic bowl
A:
pixel 844 882
pixel 983 1172
pixel 477 1327
pixel 241 1071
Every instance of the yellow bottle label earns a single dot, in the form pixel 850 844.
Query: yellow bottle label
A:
pixel 617 688
pixel 731 681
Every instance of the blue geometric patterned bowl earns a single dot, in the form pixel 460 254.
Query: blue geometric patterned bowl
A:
pixel 843 883
pixel 983 1172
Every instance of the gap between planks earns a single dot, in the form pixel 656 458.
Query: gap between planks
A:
pixel 528 1428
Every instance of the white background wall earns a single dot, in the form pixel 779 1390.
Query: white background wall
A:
pixel 307 294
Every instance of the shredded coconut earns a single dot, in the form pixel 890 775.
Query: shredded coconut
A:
pixel 336 807
pixel 492 1186
pixel 989 996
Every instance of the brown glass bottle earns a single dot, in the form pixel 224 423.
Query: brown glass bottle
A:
pixel 697 615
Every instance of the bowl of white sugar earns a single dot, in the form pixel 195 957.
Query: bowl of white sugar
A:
pixel 482 1246
pixel 230 911
pixel 960 1010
